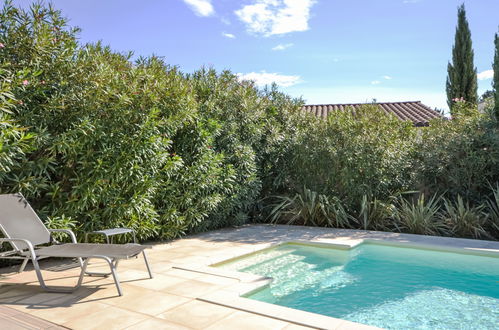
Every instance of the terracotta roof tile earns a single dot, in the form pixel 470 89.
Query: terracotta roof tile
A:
pixel 414 111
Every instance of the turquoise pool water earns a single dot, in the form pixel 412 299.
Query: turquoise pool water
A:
pixel 385 286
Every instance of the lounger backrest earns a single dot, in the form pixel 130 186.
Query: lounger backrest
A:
pixel 18 220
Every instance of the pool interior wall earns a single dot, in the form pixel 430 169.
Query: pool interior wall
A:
pixel 380 284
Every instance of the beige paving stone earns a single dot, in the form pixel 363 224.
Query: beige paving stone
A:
pixel 185 274
pixel 159 282
pixel 157 324
pixel 109 318
pixel 200 260
pixel 196 314
pixel 296 327
pixel 164 256
pixel 189 242
pixel 130 275
pixel 186 249
pixel 48 300
pixel 151 302
pixel 248 321
pixel 218 280
pixel 12 295
pixel 209 252
pixel 161 267
pixel 109 294
pixel 62 281
pixel 61 315
pixel 191 288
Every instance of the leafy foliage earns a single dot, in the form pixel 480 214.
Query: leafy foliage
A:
pixel 420 217
pixel 352 154
pixel 307 207
pixel 95 140
pixel 459 157
pixel 14 141
pixel 465 220
pixel 121 143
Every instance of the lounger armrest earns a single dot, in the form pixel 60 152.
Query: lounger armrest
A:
pixel 29 246
pixel 66 231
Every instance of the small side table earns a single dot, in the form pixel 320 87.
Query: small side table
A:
pixel 109 233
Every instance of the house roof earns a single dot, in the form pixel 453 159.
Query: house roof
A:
pixel 414 111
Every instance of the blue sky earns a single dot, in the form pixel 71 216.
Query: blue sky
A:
pixel 325 51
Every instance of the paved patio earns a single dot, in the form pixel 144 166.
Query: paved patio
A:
pixel 185 293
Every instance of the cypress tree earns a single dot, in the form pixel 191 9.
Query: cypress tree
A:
pixel 461 73
pixel 495 82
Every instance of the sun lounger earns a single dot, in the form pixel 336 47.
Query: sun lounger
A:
pixel 28 236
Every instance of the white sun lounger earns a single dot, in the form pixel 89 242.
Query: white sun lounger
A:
pixel 26 233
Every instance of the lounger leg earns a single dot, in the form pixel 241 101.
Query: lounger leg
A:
pixel 39 273
pixel 103 274
pixel 147 264
pixel 112 266
pixel 23 265
pixel 83 271
pixel 115 277
pixel 49 288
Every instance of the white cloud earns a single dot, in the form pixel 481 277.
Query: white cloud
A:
pixel 201 7
pixel 387 77
pixel 375 82
pixel 229 35
pixel 487 74
pixel 272 17
pixel 410 1
pixel 266 78
pixel 282 46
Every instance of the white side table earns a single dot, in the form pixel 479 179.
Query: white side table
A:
pixel 109 233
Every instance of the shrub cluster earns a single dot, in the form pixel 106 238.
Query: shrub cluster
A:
pixel 95 140
pixel 371 171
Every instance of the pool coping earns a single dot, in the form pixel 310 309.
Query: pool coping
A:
pixel 248 283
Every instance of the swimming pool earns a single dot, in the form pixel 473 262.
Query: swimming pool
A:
pixel 385 286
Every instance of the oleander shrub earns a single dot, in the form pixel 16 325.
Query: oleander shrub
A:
pixel 459 157
pixel 136 143
pixel 352 154
pixel 238 116
pixel 105 153
pixel 15 141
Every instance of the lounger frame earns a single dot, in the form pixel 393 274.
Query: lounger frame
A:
pixel 25 250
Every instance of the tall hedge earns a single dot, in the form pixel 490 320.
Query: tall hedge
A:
pixel 130 143
pixel 354 153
